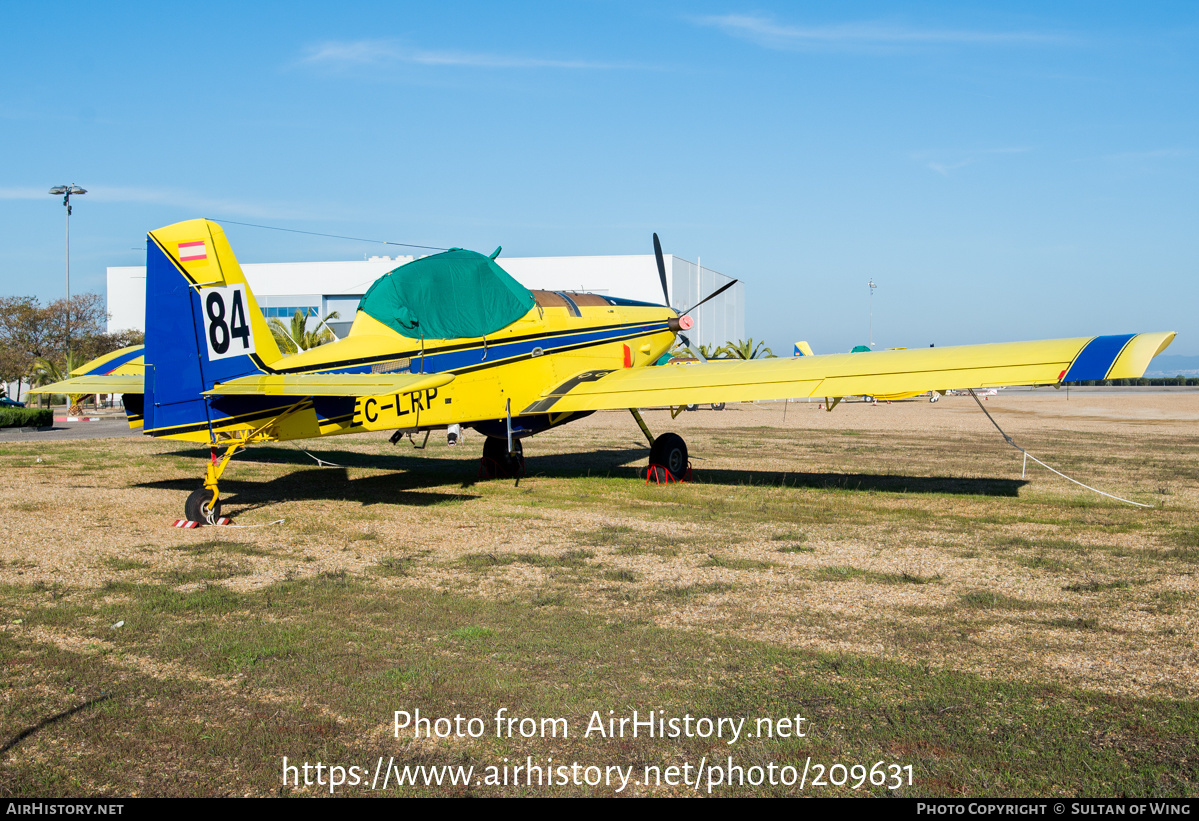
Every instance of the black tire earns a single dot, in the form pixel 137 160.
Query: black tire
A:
pixel 197 506
pixel 717 406
pixel 507 465
pixel 670 451
pixel 693 407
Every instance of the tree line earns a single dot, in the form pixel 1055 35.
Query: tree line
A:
pixel 40 344
pixel 1177 381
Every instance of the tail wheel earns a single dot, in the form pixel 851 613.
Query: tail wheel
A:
pixel 670 451
pixel 507 465
pixel 200 506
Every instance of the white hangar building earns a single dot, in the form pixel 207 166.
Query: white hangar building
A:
pixel 318 288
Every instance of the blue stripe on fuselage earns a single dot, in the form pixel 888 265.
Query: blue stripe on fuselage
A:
pixel 448 361
pixel 1097 358
pixel 184 415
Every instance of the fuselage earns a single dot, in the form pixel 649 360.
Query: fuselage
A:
pixel 504 373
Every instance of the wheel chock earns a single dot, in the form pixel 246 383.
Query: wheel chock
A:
pixel 659 475
pixel 187 523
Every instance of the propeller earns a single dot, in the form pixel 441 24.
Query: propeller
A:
pixel 661 271
pixel 712 295
pixel 684 322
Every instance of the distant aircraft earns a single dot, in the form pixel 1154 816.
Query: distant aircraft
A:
pixel 453 339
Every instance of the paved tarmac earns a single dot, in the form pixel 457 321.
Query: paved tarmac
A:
pixel 104 429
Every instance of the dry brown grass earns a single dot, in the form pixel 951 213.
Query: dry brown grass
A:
pixel 912 537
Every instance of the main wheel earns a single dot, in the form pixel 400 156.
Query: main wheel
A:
pixel 200 506
pixel 507 464
pixel 717 406
pixel 670 451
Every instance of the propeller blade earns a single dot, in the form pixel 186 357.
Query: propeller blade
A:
pixel 661 271
pixel 693 349
pixel 712 295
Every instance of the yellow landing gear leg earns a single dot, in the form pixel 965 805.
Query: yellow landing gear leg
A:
pixel 204 505
pixel 644 427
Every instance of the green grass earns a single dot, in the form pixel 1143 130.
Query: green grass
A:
pixel 1096 586
pixel 732 563
pixel 797 536
pixel 357 652
pixel 844 573
pixel 549 598
pixel 1042 561
pixel 205 571
pixel 1168 601
pixel 544 616
pixel 484 561
pixel 118 563
pixel 1075 623
pixel 395 566
pixel 692 592
pixel 472 632
pixel 627 541
pixel 991 600
pixel 220 546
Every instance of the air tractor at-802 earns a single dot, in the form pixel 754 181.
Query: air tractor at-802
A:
pixel 452 339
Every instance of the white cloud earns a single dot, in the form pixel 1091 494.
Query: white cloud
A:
pixel 767 32
pixel 24 193
pixel 387 53
pixel 205 206
pixel 946 162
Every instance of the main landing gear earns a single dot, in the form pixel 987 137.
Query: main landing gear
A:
pixel 668 459
pixel 498 463
pixel 667 455
pixel 203 506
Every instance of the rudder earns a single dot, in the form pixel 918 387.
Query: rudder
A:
pixel 203 324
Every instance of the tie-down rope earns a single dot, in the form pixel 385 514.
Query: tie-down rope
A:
pixel 319 461
pixel 1028 456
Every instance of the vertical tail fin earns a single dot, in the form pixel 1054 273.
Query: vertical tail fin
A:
pixel 203 324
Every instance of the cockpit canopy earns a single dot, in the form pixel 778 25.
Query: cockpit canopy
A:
pixel 453 295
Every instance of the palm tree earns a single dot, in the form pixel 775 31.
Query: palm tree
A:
pixel 46 371
pixel 298 335
pixel 747 349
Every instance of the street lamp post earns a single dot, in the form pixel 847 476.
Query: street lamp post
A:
pixel 65 191
pixel 872 287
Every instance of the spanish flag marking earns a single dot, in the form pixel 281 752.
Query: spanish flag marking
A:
pixel 193 251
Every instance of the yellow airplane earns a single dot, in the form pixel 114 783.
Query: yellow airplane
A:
pixel 453 339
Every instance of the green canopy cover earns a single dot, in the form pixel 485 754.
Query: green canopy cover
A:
pixel 454 295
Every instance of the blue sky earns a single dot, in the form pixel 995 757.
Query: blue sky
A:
pixel 1002 171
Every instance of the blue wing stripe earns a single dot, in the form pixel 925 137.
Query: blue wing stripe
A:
pixel 115 363
pixel 1097 358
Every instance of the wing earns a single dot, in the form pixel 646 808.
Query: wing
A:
pixel 330 384
pixel 881 373
pixel 117 372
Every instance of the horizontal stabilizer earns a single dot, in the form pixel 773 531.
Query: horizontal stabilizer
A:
pixel 107 383
pixel 330 384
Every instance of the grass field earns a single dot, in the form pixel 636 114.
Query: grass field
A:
pixel 883 572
